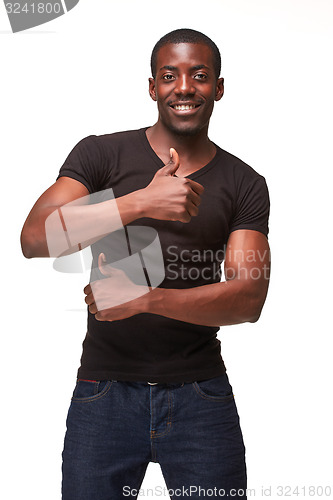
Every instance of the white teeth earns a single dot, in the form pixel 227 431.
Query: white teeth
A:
pixel 184 107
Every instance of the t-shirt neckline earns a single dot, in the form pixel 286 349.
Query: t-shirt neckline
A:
pixel 160 163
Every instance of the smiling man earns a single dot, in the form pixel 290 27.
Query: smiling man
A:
pixel 152 385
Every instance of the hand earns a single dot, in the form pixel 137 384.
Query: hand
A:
pixel 115 297
pixel 169 197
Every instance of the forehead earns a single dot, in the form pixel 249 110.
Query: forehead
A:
pixel 185 55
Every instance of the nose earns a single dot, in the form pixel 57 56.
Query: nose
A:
pixel 184 85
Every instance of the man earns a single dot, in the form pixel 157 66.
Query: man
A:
pixel 152 385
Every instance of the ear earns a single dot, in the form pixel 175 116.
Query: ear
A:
pixel 219 89
pixel 152 89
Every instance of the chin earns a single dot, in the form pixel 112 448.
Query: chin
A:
pixel 186 131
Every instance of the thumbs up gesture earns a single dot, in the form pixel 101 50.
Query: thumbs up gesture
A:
pixel 172 166
pixel 169 197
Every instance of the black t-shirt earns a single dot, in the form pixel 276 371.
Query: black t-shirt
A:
pixel 147 346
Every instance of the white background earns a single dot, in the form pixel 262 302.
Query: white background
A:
pixel 87 73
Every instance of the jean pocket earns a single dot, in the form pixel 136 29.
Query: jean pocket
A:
pixel 89 390
pixel 215 389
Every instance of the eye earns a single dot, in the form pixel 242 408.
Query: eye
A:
pixel 168 77
pixel 200 76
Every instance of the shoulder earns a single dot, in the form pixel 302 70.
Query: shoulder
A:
pixel 118 138
pixel 93 141
pixel 105 147
pixel 237 167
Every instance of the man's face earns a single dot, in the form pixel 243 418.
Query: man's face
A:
pixel 185 87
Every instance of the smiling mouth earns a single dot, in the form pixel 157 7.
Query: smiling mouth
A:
pixel 184 107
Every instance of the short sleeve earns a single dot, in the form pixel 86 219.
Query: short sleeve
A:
pixel 252 206
pixel 85 164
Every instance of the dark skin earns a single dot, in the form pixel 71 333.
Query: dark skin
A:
pixel 185 76
pixel 190 81
pixel 166 197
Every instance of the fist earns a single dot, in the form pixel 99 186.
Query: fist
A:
pixel 173 198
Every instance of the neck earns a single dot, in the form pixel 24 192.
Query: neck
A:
pixel 189 147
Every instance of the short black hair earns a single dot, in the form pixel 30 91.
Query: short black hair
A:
pixel 186 35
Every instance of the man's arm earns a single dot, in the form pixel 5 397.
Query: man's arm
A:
pixel 167 197
pixel 33 237
pixel 239 299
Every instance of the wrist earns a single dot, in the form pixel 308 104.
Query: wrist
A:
pixel 154 302
pixel 131 206
pixel 139 199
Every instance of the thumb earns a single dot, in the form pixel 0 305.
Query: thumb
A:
pixel 108 271
pixel 173 164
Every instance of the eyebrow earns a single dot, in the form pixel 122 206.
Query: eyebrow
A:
pixel 193 68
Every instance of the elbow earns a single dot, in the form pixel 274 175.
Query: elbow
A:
pixel 31 247
pixel 255 309
pixel 254 318
pixel 33 238
pixel 27 241
pixel 27 247
pixel 257 300
pixel 28 253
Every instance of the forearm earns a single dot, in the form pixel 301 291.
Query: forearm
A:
pixel 237 300
pixel 64 219
pixel 226 303
pixel 88 223
pixel 55 231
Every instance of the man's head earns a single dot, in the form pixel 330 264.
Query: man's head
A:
pixel 185 66
pixel 185 35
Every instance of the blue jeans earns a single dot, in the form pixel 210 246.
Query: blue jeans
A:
pixel 114 429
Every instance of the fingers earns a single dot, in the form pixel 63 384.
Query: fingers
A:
pixel 193 210
pixel 194 198
pixel 190 211
pixel 93 308
pixel 89 299
pixel 196 187
pixel 172 166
